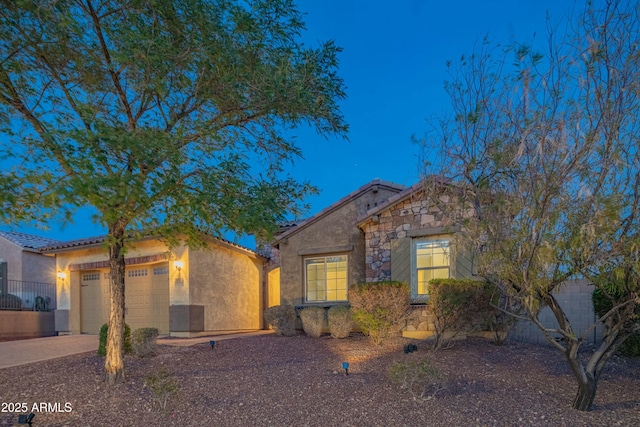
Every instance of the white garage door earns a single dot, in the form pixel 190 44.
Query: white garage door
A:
pixel 94 300
pixel 146 298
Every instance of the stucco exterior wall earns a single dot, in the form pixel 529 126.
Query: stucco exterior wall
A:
pixel 99 254
pixel 26 324
pixel 224 283
pixel 229 286
pixel 334 233
pixel 38 268
pixel 68 317
pixel 12 255
pixel 273 287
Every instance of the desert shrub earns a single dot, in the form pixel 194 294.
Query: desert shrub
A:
pixel 458 306
pixel 102 347
pixel 340 321
pixel 603 302
pixel 500 322
pixel 10 302
pixel 162 387
pixel 312 320
pixel 143 341
pixel 500 326
pixel 419 378
pixel 380 308
pixel 282 318
pixel 631 347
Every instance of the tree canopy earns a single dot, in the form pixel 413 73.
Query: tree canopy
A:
pixel 168 117
pixel 542 148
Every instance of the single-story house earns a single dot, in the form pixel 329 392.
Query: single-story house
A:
pixel 180 291
pixel 320 256
pixel 384 231
pixel 381 231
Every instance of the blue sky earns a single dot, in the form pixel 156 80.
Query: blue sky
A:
pixel 393 64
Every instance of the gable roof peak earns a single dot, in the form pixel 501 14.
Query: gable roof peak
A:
pixel 373 185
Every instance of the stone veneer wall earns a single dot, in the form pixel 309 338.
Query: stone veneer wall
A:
pixel 391 224
pixel 413 214
pixel 395 223
pixel 419 320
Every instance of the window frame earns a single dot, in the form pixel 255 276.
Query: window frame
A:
pixel 414 264
pixel 306 282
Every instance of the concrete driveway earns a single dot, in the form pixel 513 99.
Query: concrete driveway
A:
pixel 21 352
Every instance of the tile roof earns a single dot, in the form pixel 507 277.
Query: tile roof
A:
pixel 285 226
pixel 292 223
pixel 27 241
pixel 339 203
pixel 96 240
pixel 87 241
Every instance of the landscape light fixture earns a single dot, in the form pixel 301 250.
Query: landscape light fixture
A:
pixel 212 343
pixel 26 419
pixel 410 348
pixel 345 366
pixel 178 265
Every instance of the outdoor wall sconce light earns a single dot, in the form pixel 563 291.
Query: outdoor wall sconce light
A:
pixel 345 366
pixel 61 275
pixel 212 343
pixel 178 265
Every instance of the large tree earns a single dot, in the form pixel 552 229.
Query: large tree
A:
pixel 169 118
pixel 543 156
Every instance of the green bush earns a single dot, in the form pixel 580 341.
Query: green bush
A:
pixel 603 302
pixel 459 306
pixel 10 302
pixel 102 347
pixel 282 319
pixel 631 347
pixel 143 341
pixel 419 378
pixel 380 308
pixel 340 321
pixel 312 321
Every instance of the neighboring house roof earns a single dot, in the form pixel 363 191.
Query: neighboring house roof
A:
pixel 346 199
pixel 98 240
pixel 28 241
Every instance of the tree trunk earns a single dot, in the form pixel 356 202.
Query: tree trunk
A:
pixel 114 363
pixel 586 394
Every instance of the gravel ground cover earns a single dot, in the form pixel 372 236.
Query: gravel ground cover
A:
pixel 299 381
